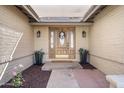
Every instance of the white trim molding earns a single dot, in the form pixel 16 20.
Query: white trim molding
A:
pixel 72 24
pixel 91 11
pixel 31 12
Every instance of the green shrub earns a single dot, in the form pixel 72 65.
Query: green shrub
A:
pixel 18 80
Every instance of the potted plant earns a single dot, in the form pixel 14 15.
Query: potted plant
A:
pixel 39 57
pixel 83 56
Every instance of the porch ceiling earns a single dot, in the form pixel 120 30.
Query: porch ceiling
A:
pixel 61 13
pixel 61 10
pixel 67 13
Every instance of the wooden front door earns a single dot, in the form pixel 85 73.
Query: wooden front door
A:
pixel 62 43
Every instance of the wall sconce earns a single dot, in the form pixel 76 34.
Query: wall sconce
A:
pixel 38 34
pixel 83 34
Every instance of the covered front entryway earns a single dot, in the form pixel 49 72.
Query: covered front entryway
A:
pixel 61 42
pixel 59 35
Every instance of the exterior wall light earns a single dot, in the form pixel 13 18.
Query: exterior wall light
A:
pixel 38 34
pixel 84 34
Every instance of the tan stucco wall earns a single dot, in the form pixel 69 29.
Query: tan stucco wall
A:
pixel 43 41
pixel 12 17
pixel 80 41
pixel 107 40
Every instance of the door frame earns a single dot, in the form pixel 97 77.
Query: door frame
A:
pixel 54 45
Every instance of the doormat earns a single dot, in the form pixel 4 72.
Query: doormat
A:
pixel 52 66
pixel 87 66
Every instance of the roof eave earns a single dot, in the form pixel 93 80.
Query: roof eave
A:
pixel 31 12
pixel 91 11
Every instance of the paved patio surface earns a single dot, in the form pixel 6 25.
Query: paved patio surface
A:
pixel 72 76
pixel 88 78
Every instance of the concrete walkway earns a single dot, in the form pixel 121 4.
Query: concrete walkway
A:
pixel 63 78
pixel 71 75
pixel 77 78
